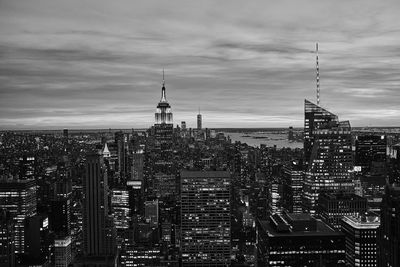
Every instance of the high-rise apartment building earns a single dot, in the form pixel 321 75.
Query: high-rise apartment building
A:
pixel 18 197
pixel 205 218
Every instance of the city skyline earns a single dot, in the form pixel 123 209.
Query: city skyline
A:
pixel 99 64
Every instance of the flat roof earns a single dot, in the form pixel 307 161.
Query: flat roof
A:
pixel 322 230
pixel 205 174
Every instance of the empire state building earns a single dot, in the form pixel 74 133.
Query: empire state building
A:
pixel 163 127
pixel 163 113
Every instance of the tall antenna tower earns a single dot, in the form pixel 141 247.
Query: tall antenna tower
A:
pixel 317 69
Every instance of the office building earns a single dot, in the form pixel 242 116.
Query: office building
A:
pixel 151 212
pixel 331 163
pixel 205 218
pixel 7 243
pixel 37 239
pixel 60 216
pixel 293 176
pixel 361 233
pixel 163 127
pixel 120 208
pixel 389 231
pixel 314 117
pixel 199 121
pixel 62 252
pixel 298 240
pixel 122 147
pixel 18 197
pixel 370 148
pixel 97 235
pixel 333 207
pixel 164 185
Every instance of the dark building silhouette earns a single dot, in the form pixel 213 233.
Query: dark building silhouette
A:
pixel 290 134
pixel 389 231
pixel 298 240
pixel 199 121
pixel 122 145
pixel 37 240
pixel 205 218
pixel 98 234
pixel 60 216
pixel 370 149
pixel 7 242
pixel 65 133
pixel 361 235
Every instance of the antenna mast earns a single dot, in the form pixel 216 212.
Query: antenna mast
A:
pixel 317 69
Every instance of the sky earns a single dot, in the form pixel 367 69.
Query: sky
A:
pixel 98 63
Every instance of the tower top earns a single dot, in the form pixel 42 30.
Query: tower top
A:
pixel 163 94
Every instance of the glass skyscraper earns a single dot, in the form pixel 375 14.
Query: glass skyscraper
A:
pixel 330 163
pixel 314 117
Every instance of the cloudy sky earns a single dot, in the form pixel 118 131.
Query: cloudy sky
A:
pixel 95 64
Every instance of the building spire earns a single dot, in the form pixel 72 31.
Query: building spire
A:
pixel 317 69
pixel 163 95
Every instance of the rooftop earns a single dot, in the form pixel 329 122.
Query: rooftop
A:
pixel 205 174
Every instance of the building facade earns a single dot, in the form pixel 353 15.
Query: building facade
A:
pixel 18 197
pixel 205 218
pixel 361 233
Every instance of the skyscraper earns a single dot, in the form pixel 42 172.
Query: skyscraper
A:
pixel 18 197
pixel 298 240
pixel 62 252
pixel 314 117
pixel 370 148
pixel 163 120
pixel 199 121
pixel 95 213
pixel 7 244
pixel 205 218
pixel 389 231
pixel 360 233
pixel 293 186
pixel 330 160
